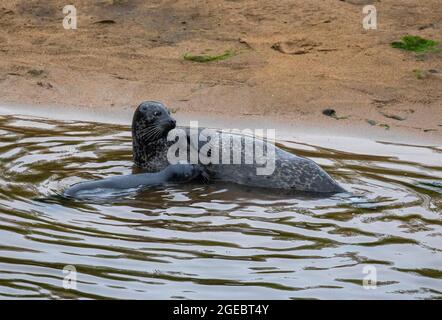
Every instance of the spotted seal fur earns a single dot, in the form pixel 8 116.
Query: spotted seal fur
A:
pixel 152 123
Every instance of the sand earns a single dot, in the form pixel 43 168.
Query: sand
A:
pixel 292 60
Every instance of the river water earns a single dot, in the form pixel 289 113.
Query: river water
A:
pixel 214 241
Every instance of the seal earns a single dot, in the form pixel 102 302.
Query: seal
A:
pixel 178 173
pixel 152 123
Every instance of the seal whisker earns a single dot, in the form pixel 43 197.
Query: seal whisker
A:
pixel 152 134
pixel 145 130
pixel 157 134
pixel 148 132
pixel 148 136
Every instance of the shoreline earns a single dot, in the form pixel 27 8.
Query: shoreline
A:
pixel 298 131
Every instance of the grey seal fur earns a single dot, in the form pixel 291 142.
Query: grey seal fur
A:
pixel 152 122
pixel 178 173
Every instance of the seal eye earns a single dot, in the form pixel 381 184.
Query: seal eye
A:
pixel 157 113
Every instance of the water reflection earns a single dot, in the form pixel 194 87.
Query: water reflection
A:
pixel 218 240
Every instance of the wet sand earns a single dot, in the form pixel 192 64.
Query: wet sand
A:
pixel 124 52
pixel 351 136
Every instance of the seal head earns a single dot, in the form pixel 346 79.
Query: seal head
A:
pixel 152 121
pixel 150 125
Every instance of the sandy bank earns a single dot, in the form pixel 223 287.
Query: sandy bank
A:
pixel 124 52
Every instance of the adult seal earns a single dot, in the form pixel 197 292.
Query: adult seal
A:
pixel 152 123
pixel 178 173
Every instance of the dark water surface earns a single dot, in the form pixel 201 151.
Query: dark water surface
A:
pixel 214 241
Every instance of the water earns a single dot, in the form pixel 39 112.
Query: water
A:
pixel 214 241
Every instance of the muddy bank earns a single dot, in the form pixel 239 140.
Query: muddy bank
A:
pixel 292 60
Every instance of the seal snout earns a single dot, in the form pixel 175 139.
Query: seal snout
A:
pixel 168 124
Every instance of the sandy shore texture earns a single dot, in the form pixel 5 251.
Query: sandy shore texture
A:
pixel 289 60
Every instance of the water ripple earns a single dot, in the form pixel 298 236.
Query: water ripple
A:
pixel 214 241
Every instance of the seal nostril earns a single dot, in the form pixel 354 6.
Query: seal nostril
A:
pixel 172 123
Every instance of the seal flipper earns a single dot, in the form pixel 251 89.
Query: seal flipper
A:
pixel 172 173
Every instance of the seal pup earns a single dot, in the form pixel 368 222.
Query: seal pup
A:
pixel 152 122
pixel 178 173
